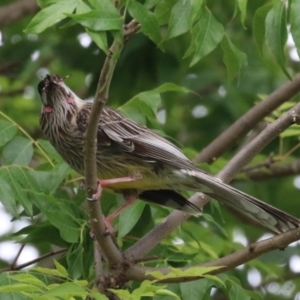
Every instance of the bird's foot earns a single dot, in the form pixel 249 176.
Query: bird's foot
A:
pixel 102 183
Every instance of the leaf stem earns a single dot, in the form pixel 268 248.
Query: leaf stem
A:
pixel 36 143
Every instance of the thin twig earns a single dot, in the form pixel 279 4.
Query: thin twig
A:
pixel 21 266
pixel 244 124
pixel 274 170
pixel 17 10
pixel 266 164
pixel 13 264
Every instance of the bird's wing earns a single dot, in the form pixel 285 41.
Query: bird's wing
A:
pixel 120 133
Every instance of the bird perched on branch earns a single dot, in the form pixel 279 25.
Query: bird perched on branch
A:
pixel 125 148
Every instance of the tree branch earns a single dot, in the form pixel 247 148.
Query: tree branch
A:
pixel 266 171
pixel 243 157
pixel 106 243
pixel 244 124
pixel 17 10
pixel 109 249
pixel 226 263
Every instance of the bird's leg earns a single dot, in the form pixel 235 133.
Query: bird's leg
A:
pixel 107 182
pixel 130 196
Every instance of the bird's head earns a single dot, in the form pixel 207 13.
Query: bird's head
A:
pixel 55 94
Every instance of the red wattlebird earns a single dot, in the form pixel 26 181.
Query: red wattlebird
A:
pixel 125 148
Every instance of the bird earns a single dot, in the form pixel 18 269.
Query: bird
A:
pixel 149 166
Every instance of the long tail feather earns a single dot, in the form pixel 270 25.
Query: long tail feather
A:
pixel 269 216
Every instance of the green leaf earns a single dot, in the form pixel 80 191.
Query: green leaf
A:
pixel 242 4
pixel 276 33
pixel 293 130
pixel 7 281
pixel 36 234
pixel 147 19
pixel 75 261
pixel 207 33
pixel 195 289
pixel 259 26
pixel 295 23
pixel 28 279
pixel 47 271
pixel 209 218
pixel 180 18
pixel 122 294
pixel 254 295
pixel 233 58
pixel 172 87
pixel 104 5
pixel 237 293
pixel 100 38
pixel 68 227
pixel 151 98
pixel 7 131
pixel 19 287
pixel 145 103
pixel 146 289
pixel 19 180
pixel 97 296
pixel 60 268
pixel 99 20
pixel 66 289
pixel 18 151
pixel 50 150
pixel 7 198
pixel 163 11
pixel 60 214
pixel 166 293
pixel 151 3
pixel 197 8
pixel 82 8
pixel 190 272
pixel 208 249
pixel 49 181
pixel 130 217
pixel 50 15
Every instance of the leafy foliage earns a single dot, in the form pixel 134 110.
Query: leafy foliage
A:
pixel 227 53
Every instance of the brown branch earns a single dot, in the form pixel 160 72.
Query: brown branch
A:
pixel 225 263
pixel 243 157
pixel 246 154
pixel 12 93
pixel 21 266
pixel 110 250
pixel 244 124
pixel 6 67
pixel 98 264
pixel 17 10
pixel 263 172
pixel 14 263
